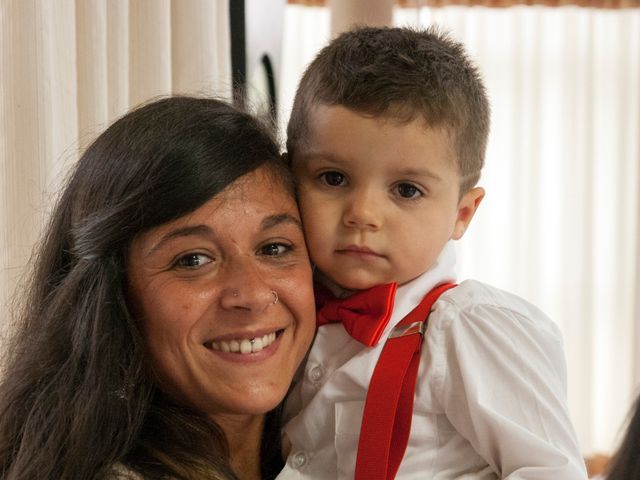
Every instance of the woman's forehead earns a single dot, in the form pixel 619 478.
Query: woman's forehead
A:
pixel 256 201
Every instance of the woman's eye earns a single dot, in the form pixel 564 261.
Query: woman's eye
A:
pixel 274 249
pixel 407 190
pixel 333 179
pixel 193 261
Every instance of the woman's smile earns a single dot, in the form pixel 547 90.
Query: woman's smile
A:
pixel 244 346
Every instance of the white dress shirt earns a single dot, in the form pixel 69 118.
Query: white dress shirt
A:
pixel 490 395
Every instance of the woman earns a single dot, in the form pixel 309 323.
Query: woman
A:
pixel 170 306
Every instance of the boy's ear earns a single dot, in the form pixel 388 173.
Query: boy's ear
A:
pixel 467 207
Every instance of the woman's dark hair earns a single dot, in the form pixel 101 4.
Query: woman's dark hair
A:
pixel 75 397
pixel 625 464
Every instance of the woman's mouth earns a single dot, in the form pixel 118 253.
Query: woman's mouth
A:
pixel 244 346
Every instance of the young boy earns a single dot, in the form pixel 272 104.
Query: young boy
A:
pixel 386 139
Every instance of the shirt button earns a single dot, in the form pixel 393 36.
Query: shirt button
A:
pixel 315 373
pixel 299 460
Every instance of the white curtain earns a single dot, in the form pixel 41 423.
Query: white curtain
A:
pixel 306 30
pixel 559 224
pixel 68 68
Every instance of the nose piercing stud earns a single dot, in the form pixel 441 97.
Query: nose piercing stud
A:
pixel 275 296
pixel 235 292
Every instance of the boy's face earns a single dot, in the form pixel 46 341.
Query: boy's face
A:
pixel 379 199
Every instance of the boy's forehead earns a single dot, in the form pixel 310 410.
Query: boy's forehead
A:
pixel 330 120
pixel 344 138
pixel 396 115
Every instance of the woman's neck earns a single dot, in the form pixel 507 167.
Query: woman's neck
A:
pixel 244 436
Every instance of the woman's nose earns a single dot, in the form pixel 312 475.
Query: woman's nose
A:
pixel 363 210
pixel 245 287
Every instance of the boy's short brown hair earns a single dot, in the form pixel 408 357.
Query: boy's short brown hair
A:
pixel 401 74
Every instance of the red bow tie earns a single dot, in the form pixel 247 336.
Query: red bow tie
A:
pixel 364 314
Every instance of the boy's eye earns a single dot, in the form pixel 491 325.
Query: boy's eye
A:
pixel 333 179
pixel 274 249
pixel 193 261
pixel 407 190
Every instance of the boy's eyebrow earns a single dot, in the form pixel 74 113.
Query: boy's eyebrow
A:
pixel 419 172
pixel 323 155
pixel 409 172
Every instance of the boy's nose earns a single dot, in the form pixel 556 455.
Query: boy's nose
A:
pixel 363 211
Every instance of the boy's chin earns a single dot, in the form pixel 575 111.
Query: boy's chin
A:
pixel 344 284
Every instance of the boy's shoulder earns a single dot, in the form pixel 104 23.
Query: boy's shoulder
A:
pixel 476 301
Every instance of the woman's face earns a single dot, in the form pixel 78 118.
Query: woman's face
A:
pixel 225 299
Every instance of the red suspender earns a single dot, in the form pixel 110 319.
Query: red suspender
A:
pixel 386 421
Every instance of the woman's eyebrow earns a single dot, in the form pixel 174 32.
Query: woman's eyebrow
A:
pixel 273 220
pixel 198 230
pixel 205 231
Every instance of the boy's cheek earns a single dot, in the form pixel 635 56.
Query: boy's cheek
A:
pixel 308 203
pixel 314 223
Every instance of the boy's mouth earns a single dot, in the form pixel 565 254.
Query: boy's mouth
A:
pixel 358 250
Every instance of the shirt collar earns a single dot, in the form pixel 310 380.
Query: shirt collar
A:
pixel 411 293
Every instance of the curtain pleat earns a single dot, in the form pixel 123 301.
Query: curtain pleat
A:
pixel 92 47
pixel 38 125
pixel 149 49
pixel 198 47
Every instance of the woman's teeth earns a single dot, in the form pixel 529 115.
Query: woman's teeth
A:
pixel 244 346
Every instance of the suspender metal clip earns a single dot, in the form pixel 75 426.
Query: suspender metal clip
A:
pixel 411 329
